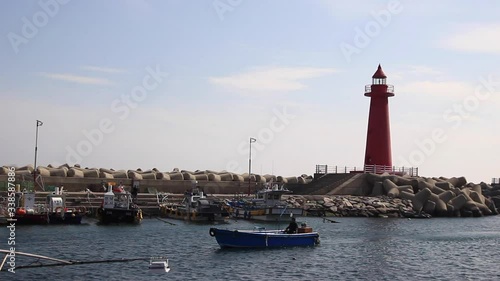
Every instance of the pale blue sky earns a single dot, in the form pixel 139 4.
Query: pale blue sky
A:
pixel 230 70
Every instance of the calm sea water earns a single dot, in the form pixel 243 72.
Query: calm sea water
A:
pixel 354 249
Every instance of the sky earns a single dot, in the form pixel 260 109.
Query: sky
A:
pixel 186 84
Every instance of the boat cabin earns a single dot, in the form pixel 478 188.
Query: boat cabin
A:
pixel 271 196
pixel 117 200
pixel 192 198
pixel 56 201
pixel 25 203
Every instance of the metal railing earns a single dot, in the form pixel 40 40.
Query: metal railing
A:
pixel 375 169
pixel 333 169
pixel 495 181
pixel 390 89
pixel 380 169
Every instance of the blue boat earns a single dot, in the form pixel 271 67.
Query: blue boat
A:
pixel 261 238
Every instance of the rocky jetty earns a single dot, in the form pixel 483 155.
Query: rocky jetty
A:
pixel 354 206
pixel 404 196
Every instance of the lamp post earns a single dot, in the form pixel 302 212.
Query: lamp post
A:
pixel 38 124
pixel 250 164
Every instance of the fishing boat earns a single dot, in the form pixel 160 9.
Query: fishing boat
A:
pixel 58 212
pixel 268 205
pixel 261 238
pixel 27 212
pixel 195 206
pixel 118 207
pixel 54 211
pixel 159 264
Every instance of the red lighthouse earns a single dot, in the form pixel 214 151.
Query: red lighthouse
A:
pixel 378 138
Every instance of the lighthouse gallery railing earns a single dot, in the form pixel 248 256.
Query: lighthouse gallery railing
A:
pixel 390 89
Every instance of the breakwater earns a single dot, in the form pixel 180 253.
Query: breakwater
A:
pixel 152 174
pixel 75 178
pixel 400 196
pixel 366 195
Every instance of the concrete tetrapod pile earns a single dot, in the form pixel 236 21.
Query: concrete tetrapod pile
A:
pixel 152 174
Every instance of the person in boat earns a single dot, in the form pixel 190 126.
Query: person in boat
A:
pixel 292 227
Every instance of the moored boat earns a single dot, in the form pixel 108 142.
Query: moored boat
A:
pixel 58 212
pixel 54 211
pixel 118 207
pixel 30 216
pixel 262 238
pixel 195 206
pixel 268 205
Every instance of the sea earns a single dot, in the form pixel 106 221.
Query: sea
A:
pixel 351 249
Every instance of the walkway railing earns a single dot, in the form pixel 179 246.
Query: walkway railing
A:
pixel 375 169
pixel 495 181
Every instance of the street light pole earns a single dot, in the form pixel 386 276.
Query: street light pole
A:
pixel 38 124
pixel 250 165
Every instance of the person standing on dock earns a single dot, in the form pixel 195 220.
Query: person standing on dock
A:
pixel 134 192
pixel 104 186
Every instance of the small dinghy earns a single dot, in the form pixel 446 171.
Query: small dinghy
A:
pixel 159 264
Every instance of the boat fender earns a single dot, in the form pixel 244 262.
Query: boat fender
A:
pixel 212 232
